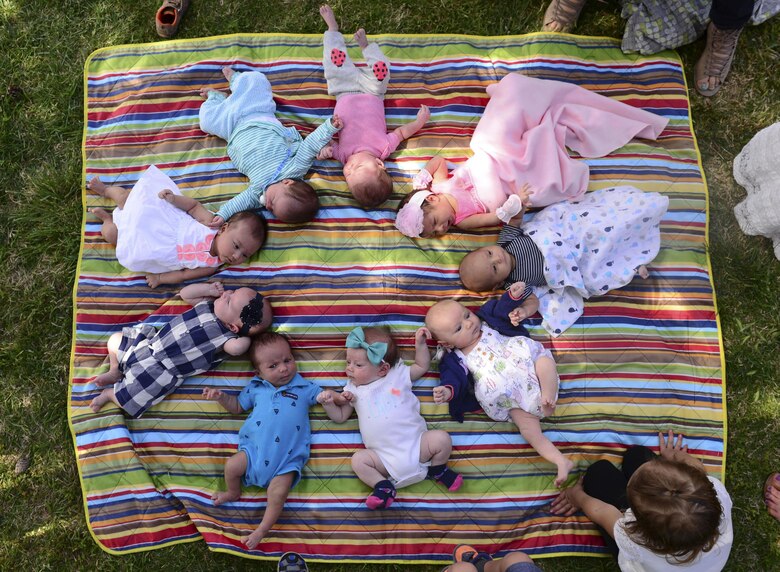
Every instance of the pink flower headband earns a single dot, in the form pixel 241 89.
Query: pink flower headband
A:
pixel 409 220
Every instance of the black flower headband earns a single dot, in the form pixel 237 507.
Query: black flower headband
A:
pixel 251 315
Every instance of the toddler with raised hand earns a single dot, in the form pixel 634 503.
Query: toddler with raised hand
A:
pixel 364 142
pixel 275 158
pixel 400 450
pixel 513 377
pixel 274 441
pixel 167 235
pixel 147 364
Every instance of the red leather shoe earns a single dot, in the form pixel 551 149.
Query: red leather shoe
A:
pixel 169 17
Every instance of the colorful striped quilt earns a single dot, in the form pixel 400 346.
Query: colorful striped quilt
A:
pixel 645 358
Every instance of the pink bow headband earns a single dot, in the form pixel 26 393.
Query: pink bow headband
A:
pixel 409 220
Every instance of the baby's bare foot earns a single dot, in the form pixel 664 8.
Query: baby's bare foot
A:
pixel 108 378
pixel 254 539
pixel 228 72
pixel 220 498
pixel 97 403
pixel 102 214
pixel 360 38
pixel 642 271
pixel 96 186
pixel 564 468
pixel 330 19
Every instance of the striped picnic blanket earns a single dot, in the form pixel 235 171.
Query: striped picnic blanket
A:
pixel 644 358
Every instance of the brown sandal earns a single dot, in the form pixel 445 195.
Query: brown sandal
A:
pixel 715 60
pixel 169 15
pixel 564 13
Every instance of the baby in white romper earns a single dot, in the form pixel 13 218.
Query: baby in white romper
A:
pixel 515 378
pixel 400 451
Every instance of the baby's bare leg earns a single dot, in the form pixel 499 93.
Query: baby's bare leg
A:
pixel 531 431
pixel 228 72
pixel 436 447
pixel 234 470
pixel 368 467
pixel 115 193
pixel 330 19
pixel 278 489
pixel 113 374
pixel 105 396
pixel 547 374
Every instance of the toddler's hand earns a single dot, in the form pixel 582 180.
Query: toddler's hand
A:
pixel 441 394
pixel 326 152
pixel 212 394
pixel 420 337
pixel 153 280
pixel 423 115
pixel 166 195
pixel 422 180
pixel 669 448
pixel 516 290
pixel 336 122
pixel 216 222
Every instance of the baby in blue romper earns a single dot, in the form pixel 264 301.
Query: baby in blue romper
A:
pixel 274 157
pixel 273 443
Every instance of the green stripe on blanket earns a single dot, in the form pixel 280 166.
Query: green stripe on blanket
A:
pixel 643 358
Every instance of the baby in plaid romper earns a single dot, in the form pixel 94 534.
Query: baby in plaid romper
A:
pixel 147 364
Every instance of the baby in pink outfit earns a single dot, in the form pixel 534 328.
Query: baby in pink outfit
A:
pixel 363 142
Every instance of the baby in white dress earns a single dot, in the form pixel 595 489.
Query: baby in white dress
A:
pixel 400 450
pixel 515 378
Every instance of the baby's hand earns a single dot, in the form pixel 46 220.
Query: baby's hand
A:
pixel 204 92
pixel 325 396
pixel 217 289
pixel 441 394
pixel 525 193
pixel 153 280
pixel 516 290
pixel 421 336
pixel 517 315
pixel 326 152
pixel 216 222
pixel 166 195
pixel 348 396
pixel 422 180
pixel 423 115
pixel 212 394
pixel 336 122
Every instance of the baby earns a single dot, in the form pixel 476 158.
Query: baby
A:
pixel 273 443
pixel 272 156
pixel 400 451
pixel 363 143
pixel 514 378
pixel 147 364
pixel 572 250
pixel 165 234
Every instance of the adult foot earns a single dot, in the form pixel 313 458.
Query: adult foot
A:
pixel 220 498
pixel 564 468
pixel 96 186
pixel 772 495
pixel 360 38
pixel 330 19
pixel 561 15
pixel 715 61
pixel 108 378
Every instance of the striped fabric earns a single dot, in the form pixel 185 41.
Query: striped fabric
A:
pixel 644 358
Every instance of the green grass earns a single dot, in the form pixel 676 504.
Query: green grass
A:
pixel 44 45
